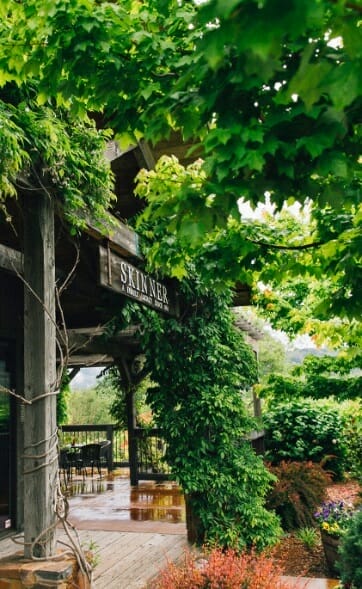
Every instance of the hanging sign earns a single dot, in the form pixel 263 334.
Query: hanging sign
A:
pixel 120 276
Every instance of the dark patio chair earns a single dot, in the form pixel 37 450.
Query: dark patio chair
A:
pixel 95 455
pixel 65 465
pixel 90 458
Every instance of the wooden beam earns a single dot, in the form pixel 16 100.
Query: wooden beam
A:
pixel 144 155
pixel 11 260
pixel 73 373
pixel 89 360
pixel 121 238
pixel 89 347
pixel 40 432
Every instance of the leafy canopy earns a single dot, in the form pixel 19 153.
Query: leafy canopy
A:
pixel 269 93
pixel 43 149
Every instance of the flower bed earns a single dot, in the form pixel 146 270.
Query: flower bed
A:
pixel 334 517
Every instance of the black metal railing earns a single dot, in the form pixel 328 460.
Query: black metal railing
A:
pixel 144 452
pixel 82 435
pixel 150 451
pixel 149 448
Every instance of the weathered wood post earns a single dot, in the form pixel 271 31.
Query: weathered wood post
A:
pixel 40 436
pixel 124 366
pixel 132 440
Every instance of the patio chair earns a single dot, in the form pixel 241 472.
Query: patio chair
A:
pixel 65 465
pixel 90 458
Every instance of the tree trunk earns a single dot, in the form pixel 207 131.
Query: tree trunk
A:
pixel 194 526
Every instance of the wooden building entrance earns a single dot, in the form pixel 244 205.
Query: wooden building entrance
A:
pixel 7 479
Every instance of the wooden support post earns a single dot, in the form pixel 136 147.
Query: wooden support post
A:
pixel 40 436
pixel 132 440
pixel 124 368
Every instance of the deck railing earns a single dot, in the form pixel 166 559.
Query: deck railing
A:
pixel 150 447
pixel 146 460
pixel 150 452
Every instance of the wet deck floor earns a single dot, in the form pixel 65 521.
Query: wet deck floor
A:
pixel 115 505
pixel 135 530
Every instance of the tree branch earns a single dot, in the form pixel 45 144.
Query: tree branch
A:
pixel 285 247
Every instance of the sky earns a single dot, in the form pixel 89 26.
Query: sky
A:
pixel 86 378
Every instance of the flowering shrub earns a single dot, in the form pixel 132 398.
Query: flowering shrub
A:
pixel 334 517
pixel 222 570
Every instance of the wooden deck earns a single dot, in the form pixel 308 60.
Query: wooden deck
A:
pixel 129 553
pixel 125 560
pixel 133 534
pixel 129 560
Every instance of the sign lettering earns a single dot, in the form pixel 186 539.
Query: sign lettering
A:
pixel 119 275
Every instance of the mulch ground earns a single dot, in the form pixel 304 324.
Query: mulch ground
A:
pixel 298 560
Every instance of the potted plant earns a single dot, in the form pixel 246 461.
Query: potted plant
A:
pixel 334 518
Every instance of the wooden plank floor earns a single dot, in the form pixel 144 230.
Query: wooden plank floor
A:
pixel 125 560
pixel 129 560
pixel 129 553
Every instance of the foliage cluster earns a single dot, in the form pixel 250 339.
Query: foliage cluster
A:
pixel 113 379
pixel 221 569
pixel 352 431
pixel 44 149
pixel 63 400
pixel 270 95
pixel 105 402
pixel 299 490
pixel 350 559
pixel 90 406
pixel 283 388
pixel 318 378
pixel 308 536
pixel 306 430
pixel 201 364
pixel 272 358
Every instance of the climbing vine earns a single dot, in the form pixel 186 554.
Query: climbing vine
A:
pixel 201 364
pixel 42 149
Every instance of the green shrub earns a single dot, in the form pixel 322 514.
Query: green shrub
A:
pixel 351 412
pixel 222 569
pixel 350 559
pixel 299 490
pixel 306 430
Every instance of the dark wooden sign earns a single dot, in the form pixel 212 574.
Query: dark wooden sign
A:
pixel 119 275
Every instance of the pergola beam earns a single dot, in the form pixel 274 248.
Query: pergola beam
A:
pixel 11 260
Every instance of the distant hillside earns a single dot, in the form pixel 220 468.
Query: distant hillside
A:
pixel 297 355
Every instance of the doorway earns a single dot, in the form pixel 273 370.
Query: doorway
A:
pixel 6 410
